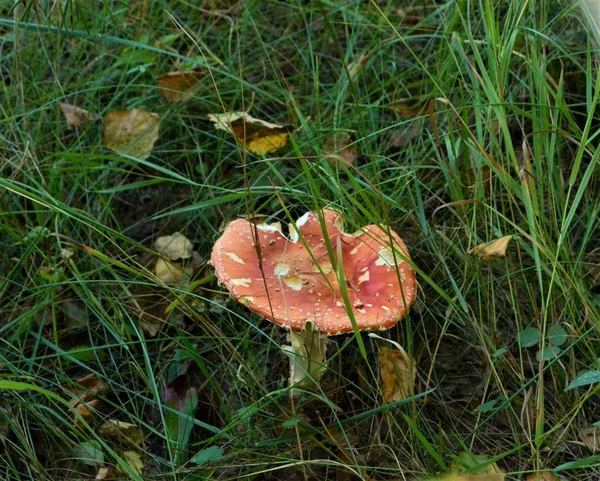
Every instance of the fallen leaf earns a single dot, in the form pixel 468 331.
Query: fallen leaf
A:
pixel 123 431
pixel 591 438
pixel 408 108
pixel 86 411
pixel 107 472
pixel 340 147
pixel 397 372
pixel 134 461
pixel 255 135
pixel 179 86
pixel 176 273
pixel 133 132
pixel 356 67
pixel 174 247
pixel 77 117
pixel 86 387
pixel 492 250
pixel 542 476
pixel 183 399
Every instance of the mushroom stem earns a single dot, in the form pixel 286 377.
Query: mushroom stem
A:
pixel 307 354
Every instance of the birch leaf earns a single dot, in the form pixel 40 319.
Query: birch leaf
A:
pixel 492 250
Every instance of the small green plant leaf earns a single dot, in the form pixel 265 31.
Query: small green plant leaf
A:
pixel 208 455
pixel 89 453
pixel 529 337
pixel 557 335
pixel 585 379
pixel 548 353
pixel 499 352
pixel 291 423
pixel 486 407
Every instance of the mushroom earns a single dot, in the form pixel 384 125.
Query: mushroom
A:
pixel 295 281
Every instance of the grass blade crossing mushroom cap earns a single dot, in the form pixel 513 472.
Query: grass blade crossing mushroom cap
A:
pixel 294 280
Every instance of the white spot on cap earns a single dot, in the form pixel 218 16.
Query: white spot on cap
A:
pixel 386 256
pixel 354 251
pixel 234 257
pixel 364 278
pixel 293 282
pixel 244 282
pixel 281 269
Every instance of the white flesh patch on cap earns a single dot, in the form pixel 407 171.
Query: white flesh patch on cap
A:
pixel 234 257
pixel 281 269
pixel 386 256
pixel 364 278
pixel 275 227
pixel 299 223
pixel 293 282
pixel 243 282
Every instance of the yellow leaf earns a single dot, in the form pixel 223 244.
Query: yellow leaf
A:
pixel 86 411
pixel 86 387
pixel 123 431
pixel 107 472
pixel 174 247
pixel 132 132
pixel 255 135
pixel 591 438
pixel 75 116
pixel 179 86
pixel 408 108
pixel 134 461
pixel 397 372
pixel 492 250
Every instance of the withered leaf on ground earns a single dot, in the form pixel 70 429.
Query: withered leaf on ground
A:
pixel 492 250
pixel 77 117
pixel 542 476
pixel 134 460
pixel 174 247
pixel 123 431
pixel 398 372
pixel 86 387
pixel 132 132
pixel 340 147
pixel 255 135
pixel 409 108
pixel 86 411
pixel 591 438
pixel 179 86
pixel 107 472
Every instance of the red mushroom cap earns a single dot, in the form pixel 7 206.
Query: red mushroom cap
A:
pixel 289 285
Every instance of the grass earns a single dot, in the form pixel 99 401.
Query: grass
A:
pixel 506 144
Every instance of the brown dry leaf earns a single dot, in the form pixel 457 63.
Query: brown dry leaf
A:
pixel 340 147
pixel 132 132
pixel 123 431
pixel 543 476
pixel 408 108
pixel 87 387
pixel 591 438
pixel 134 461
pixel 492 250
pixel 397 372
pixel 77 117
pixel 255 135
pixel 86 411
pixel 179 86
pixel 107 472
pixel 356 67
pixel 174 247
